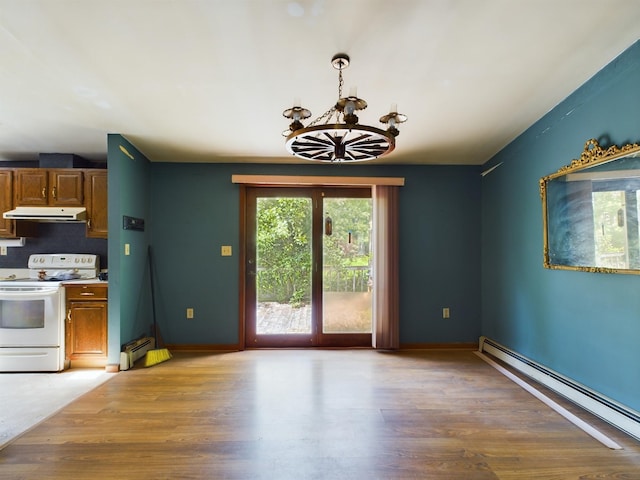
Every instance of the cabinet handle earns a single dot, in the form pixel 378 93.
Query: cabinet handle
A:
pixel 87 294
pixel 89 224
pixel 44 192
pixel 54 192
pixel 69 316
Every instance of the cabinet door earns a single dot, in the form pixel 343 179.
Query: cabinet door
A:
pixel 6 203
pixel 65 188
pixel 96 203
pixel 31 186
pixel 86 330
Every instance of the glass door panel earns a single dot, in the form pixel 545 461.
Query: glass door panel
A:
pixel 283 265
pixel 278 268
pixel 346 280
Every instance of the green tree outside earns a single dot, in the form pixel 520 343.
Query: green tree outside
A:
pixel 284 246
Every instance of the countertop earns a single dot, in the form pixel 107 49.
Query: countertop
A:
pixel 85 281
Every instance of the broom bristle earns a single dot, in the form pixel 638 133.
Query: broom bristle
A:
pixel 153 357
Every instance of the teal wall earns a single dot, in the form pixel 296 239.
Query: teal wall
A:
pixel 583 325
pixel 129 299
pixel 195 210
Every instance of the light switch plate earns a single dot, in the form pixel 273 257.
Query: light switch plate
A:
pixel 225 250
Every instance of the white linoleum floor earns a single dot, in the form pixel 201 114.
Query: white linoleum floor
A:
pixel 26 399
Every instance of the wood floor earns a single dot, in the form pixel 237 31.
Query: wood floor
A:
pixel 315 414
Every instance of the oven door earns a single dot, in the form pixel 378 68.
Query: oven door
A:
pixel 30 316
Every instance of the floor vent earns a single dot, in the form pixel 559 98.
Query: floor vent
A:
pixel 616 414
pixel 135 351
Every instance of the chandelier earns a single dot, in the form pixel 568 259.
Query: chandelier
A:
pixel 336 135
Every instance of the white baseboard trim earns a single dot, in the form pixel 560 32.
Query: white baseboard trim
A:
pixel 618 415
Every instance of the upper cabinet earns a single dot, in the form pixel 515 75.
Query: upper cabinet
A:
pixel 7 227
pixel 55 187
pixel 95 184
pixel 61 187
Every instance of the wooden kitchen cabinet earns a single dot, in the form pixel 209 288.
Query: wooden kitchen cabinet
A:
pixel 49 187
pixel 95 184
pixel 86 325
pixel 7 227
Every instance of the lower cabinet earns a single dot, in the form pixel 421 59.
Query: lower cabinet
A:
pixel 86 325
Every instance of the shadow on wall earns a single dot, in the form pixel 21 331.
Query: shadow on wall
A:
pixel 56 238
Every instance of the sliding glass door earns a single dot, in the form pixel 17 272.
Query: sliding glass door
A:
pixel 308 267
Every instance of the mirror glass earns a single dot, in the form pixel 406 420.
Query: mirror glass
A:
pixel 590 211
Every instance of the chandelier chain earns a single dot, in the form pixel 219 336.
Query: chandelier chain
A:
pixel 326 116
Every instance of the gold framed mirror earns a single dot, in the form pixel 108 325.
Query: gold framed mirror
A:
pixel 591 211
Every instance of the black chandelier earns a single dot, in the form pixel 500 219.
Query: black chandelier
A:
pixel 344 140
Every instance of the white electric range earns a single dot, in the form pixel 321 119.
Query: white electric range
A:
pixel 32 310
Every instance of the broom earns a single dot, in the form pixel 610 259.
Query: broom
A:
pixel 158 355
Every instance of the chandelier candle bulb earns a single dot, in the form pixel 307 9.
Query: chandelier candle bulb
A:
pixel 349 107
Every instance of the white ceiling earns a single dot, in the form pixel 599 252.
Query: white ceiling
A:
pixel 207 81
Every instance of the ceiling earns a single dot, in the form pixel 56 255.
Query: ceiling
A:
pixel 207 81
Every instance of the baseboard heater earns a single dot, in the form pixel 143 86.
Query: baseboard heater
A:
pixel 609 410
pixel 134 351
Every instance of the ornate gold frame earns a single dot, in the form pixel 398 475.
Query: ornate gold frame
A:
pixel 592 155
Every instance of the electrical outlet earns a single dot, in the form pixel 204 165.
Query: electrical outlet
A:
pixel 225 250
pixel 189 312
pixel 445 312
pixel 3 250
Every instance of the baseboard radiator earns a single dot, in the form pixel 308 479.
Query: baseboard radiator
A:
pixel 618 415
pixel 134 351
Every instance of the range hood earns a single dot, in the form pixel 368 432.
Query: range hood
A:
pixel 47 214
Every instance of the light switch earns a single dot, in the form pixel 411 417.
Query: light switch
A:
pixel 225 250
pixel 127 249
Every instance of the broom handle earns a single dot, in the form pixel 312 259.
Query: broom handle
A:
pixel 153 300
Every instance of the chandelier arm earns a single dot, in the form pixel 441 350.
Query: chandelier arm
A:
pixel 357 139
pixel 313 148
pixel 368 151
pixel 319 141
pixel 325 156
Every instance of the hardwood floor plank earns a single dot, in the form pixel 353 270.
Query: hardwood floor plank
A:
pixel 315 414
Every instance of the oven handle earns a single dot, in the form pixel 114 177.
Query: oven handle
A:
pixel 38 295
